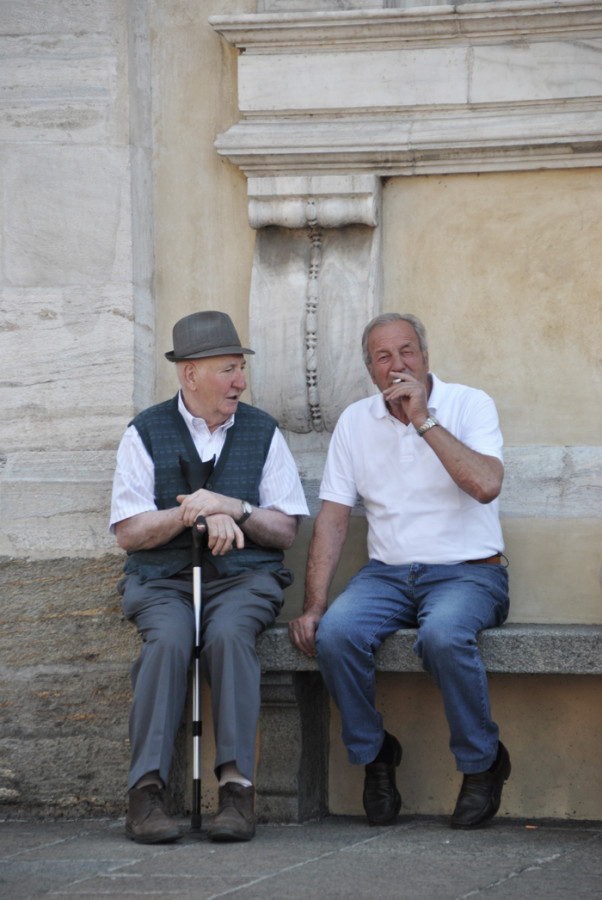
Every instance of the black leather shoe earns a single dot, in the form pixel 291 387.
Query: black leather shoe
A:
pixel 480 795
pixel 382 800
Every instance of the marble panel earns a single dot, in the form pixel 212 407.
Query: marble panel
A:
pixel 54 19
pixel 536 71
pixel 61 72
pixel 59 514
pixel 91 79
pixel 70 351
pixel 320 5
pixel 370 79
pixel 67 215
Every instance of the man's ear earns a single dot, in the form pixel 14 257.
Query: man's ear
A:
pixel 190 374
pixel 371 372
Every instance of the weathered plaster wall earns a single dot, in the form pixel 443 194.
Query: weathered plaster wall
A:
pixel 552 726
pixel 505 272
pixel 203 242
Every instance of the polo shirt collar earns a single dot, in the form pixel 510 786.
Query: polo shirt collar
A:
pixel 437 391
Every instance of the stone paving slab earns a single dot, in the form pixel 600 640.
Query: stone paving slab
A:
pixel 338 858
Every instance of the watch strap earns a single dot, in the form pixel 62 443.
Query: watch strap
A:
pixel 428 423
pixel 247 509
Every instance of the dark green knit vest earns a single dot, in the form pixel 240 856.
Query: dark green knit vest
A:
pixel 237 474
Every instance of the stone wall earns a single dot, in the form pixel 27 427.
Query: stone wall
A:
pixel 65 688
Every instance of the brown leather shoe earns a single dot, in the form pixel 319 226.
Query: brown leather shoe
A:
pixel 480 795
pixel 382 800
pixel 147 821
pixel 235 818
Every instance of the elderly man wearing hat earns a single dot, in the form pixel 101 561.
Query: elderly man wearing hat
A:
pixel 252 500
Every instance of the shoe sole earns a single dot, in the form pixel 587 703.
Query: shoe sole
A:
pixel 166 838
pixel 225 836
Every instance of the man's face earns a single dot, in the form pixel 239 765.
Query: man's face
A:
pixel 220 382
pixel 394 349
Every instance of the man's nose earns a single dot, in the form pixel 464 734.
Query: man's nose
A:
pixel 240 381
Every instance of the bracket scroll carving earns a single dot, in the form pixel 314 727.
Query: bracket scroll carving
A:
pixel 315 284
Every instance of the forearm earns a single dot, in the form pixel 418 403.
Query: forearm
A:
pixel 270 528
pixel 330 531
pixel 149 529
pixel 479 475
pixel 325 549
pixel 266 527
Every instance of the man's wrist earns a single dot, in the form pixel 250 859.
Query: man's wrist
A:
pixel 246 510
pixel 429 422
pixel 315 608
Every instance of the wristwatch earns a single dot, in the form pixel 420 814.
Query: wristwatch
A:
pixel 428 423
pixel 247 509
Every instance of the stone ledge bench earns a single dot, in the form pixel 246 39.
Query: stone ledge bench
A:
pixel 293 760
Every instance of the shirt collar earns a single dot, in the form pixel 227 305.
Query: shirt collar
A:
pixel 195 422
pixel 436 396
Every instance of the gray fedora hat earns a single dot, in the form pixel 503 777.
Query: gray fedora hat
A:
pixel 208 333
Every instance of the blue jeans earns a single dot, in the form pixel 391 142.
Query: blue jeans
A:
pixel 449 605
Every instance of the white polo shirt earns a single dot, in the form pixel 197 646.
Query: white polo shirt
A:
pixel 415 511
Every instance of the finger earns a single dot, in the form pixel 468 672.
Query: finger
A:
pixel 240 537
pixel 303 638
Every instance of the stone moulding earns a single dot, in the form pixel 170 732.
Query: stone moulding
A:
pixel 443 21
pixel 440 89
pixel 329 202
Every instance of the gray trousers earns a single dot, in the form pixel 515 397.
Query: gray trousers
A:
pixel 234 612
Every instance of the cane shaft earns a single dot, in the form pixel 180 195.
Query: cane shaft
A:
pixel 198 539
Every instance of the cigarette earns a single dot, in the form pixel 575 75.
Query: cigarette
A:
pixel 397 381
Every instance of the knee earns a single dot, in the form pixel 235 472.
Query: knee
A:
pixel 444 641
pixel 334 636
pixel 225 640
pixel 170 644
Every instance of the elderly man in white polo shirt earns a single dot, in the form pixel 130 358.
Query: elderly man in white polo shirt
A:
pixel 425 457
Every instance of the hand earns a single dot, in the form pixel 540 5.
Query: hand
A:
pixel 206 503
pixel 410 394
pixel 302 632
pixel 224 533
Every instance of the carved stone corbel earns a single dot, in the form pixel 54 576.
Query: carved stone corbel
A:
pixel 315 284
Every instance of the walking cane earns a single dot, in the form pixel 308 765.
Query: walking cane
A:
pixel 196 474
pixel 198 539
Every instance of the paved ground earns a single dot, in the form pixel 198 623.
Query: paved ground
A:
pixel 416 859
